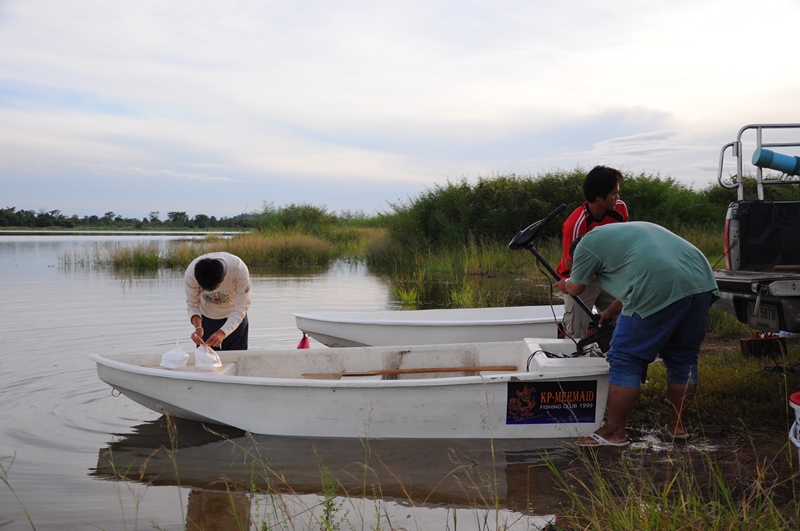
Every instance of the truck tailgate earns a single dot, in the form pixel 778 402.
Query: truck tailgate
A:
pixel 742 281
pixel 764 300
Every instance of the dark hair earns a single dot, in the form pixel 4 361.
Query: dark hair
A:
pixel 600 181
pixel 209 273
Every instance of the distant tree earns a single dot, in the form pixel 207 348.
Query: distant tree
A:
pixel 26 218
pixel 45 219
pixel 200 221
pixel 8 216
pixel 11 217
pixel 178 219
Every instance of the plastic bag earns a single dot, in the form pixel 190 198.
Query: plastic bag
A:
pixel 175 358
pixel 206 358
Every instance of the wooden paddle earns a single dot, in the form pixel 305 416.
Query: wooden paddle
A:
pixel 333 375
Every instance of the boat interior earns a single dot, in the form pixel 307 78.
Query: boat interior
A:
pixel 401 363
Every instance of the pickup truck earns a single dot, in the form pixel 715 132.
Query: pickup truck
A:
pixel 760 284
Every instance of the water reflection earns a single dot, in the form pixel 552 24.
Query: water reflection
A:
pixel 215 460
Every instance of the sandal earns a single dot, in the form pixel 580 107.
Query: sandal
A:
pixel 669 435
pixel 599 441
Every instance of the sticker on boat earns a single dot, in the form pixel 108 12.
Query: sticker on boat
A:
pixel 551 402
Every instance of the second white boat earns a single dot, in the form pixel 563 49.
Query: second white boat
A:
pixel 431 327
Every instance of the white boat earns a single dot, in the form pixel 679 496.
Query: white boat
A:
pixel 502 390
pixel 431 327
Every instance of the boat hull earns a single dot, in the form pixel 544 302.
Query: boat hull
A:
pixel 553 398
pixel 431 327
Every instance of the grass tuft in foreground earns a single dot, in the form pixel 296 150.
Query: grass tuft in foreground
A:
pixel 684 490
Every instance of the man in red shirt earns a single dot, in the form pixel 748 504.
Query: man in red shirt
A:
pixel 602 206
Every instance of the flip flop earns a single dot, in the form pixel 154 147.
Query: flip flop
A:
pixel 600 441
pixel 669 435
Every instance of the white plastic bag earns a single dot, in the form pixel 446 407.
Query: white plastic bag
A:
pixel 174 358
pixel 206 358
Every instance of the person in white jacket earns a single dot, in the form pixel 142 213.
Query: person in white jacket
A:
pixel 217 299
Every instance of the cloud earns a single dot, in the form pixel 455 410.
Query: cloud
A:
pixel 139 174
pixel 353 104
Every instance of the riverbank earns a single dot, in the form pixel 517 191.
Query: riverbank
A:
pixel 738 469
pixel 722 478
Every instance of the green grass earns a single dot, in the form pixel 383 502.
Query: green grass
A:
pixel 688 488
pixel 733 390
pixel 725 325
pixel 142 256
pixel 689 491
pixel 259 252
pixel 408 292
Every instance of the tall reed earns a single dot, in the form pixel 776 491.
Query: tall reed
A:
pixel 141 256
pixel 5 469
pixel 275 251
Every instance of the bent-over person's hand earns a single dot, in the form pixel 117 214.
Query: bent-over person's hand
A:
pixel 197 336
pixel 215 339
pixel 609 315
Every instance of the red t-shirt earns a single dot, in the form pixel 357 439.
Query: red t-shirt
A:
pixel 579 223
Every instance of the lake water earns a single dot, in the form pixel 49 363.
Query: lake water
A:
pixel 73 456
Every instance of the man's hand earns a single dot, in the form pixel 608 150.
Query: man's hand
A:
pixel 561 285
pixel 609 315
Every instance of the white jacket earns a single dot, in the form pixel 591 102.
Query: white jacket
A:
pixel 230 300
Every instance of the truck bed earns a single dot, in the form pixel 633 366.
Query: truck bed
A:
pixel 761 281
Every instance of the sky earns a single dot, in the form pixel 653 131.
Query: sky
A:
pixel 221 108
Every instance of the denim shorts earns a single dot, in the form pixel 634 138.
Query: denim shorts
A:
pixel 675 333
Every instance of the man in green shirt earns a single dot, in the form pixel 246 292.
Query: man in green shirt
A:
pixel 664 288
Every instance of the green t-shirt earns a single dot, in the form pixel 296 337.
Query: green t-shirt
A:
pixel 643 265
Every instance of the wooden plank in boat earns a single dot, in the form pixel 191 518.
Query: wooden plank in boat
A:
pixel 421 370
